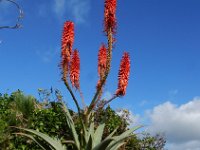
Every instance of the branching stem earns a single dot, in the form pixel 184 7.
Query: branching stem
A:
pixel 103 81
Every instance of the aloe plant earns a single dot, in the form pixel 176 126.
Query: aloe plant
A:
pixel 90 137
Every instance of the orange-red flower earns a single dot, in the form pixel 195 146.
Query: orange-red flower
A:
pixel 102 59
pixel 68 36
pixel 123 75
pixel 110 16
pixel 66 46
pixel 75 69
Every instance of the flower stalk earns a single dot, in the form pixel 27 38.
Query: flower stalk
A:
pixel 110 30
pixel 73 96
pixel 103 81
pixel 66 53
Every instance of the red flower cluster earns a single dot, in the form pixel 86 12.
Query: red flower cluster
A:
pixel 66 46
pixel 75 69
pixel 102 60
pixel 68 36
pixel 110 16
pixel 123 75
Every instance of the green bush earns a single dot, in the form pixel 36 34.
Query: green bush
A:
pixel 49 118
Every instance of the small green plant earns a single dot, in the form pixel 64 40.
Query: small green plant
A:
pixel 89 136
pixel 15 110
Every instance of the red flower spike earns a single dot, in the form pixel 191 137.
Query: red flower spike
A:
pixel 68 36
pixel 75 69
pixel 102 59
pixel 66 46
pixel 123 75
pixel 110 16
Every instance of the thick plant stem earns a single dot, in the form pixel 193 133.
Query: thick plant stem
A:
pixel 108 64
pixel 73 96
pixel 76 102
pixel 109 55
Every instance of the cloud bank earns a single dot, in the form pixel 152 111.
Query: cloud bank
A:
pixel 181 124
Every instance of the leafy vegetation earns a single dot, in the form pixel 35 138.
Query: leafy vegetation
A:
pixel 48 118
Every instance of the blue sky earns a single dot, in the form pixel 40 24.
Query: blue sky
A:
pixel 162 37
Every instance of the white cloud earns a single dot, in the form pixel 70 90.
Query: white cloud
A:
pixel 79 9
pixel 191 145
pixel 181 124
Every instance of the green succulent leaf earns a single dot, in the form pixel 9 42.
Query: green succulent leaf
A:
pixel 119 139
pixel 56 144
pixel 89 144
pixel 111 134
pixel 103 144
pixel 91 131
pixel 98 134
pixel 71 126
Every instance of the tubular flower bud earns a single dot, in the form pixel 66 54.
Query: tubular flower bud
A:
pixel 110 16
pixel 102 59
pixel 75 69
pixel 66 46
pixel 123 75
